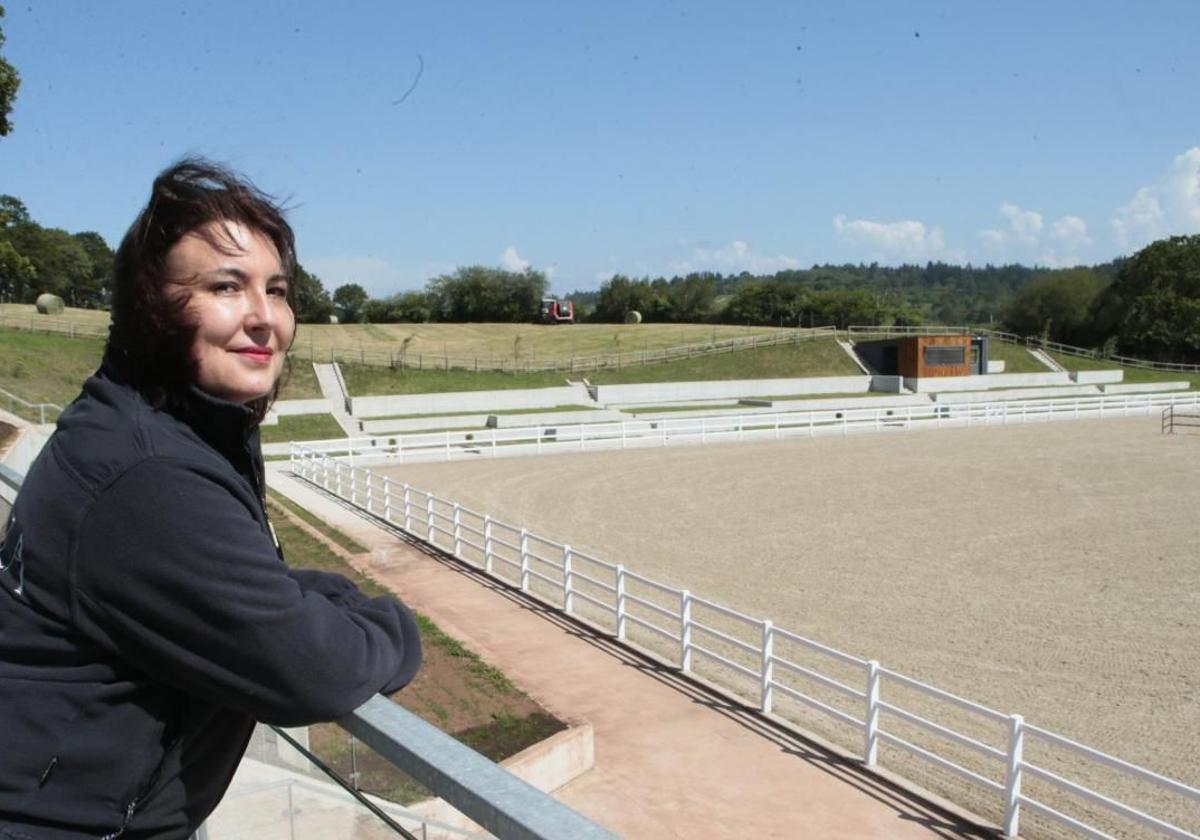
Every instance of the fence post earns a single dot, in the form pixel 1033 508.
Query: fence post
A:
pixel 387 499
pixel 429 532
pixel 685 631
pixel 457 529
pixel 871 732
pixel 487 543
pixel 524 560
pixel 621 601
pixel 766 694
pixel 1012 778
pixel 370 490
pixel 407 508
pixel 568 593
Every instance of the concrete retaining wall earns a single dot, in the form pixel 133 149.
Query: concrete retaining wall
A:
pixel 1097 377
pixel 481 401
pixel 996 365
pixel 475 421
pixel 659 393
pixel 286 408
pixel 961 397
pixel 1145 387
pixel 930 385
pixel 548 765
pixel 781 406
pixel 29 442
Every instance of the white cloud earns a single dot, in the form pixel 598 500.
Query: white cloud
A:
pixel 512 261
pixel 1071 231
pixel 906 240
pixel 734 258
pixel 1167 207
pixel 1026 238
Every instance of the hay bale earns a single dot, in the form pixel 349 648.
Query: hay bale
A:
pixel 633 317
pixel 48 304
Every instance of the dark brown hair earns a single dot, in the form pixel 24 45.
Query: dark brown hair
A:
pixel 150 339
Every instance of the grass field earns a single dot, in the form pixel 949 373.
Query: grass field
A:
pixel 1016 359
pixel 1131 374
pixel 485 341
pixel 302 427
pixel 817 357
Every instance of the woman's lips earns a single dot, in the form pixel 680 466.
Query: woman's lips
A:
pixel 261 355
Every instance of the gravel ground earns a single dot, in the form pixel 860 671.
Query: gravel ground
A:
pixel 1048 569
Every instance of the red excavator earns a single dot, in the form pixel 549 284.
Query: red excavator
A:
pixel 556 311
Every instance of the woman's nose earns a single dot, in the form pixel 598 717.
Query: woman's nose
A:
pixel 258 309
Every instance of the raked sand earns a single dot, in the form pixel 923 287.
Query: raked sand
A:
pixel 1051 569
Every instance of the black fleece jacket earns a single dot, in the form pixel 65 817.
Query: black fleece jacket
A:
pixel 147 620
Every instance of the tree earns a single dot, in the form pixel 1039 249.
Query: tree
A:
pixel 1154 303
pixel 313 305
pixel 1058 304
pixel 350 300
pixel 16 273
pixel 482 293
pixel 98 289
pixel 10 80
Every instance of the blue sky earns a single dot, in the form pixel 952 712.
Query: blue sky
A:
pixel 642 138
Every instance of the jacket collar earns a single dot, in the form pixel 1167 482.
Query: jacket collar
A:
pixel 225 426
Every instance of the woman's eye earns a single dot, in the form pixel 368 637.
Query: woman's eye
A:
pixel 224 288
pixel 278 291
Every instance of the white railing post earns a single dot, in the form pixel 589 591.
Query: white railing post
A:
pixel 429 532
pixel 341 491
pixel 767 670
pixel 685 631
pixel 407 508
pixel 871 719
pixel 370 490
pixel 524 560
pixel 568 594
pixel 487 543
pixel 457 529
pixel 387 499
pixel 1012 776
pixel 621 602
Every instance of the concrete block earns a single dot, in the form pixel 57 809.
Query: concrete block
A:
pixel 1144 387
pixel 665 392
pixel 1097 377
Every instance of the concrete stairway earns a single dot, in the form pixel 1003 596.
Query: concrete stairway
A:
pixel 333 389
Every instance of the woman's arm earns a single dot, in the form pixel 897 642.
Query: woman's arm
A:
pixel 173 573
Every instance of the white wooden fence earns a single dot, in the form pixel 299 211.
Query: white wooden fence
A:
pixel 453 445
pixel 762 665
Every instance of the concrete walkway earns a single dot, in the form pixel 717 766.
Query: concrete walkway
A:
pixel 331 389
pixel 672 758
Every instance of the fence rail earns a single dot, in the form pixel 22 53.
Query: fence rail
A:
pixel 627 434
pixel 751 653
pixel 44 412
pixel 1182 419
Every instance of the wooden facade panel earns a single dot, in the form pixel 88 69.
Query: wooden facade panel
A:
pixel 913 358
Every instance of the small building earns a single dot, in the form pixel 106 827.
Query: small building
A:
pixel 920 356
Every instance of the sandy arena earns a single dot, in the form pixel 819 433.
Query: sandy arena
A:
pixel 1047 569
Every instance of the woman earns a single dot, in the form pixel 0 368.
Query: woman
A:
pixel 146 617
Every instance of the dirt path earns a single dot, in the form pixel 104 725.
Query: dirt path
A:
pixel 1048 569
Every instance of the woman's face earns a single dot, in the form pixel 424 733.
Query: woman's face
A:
pixel 238 301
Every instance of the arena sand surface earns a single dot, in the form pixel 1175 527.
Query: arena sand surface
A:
pixel 1048 569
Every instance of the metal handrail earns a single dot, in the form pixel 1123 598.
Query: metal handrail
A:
pixel 477 787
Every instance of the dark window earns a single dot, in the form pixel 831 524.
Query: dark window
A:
pixel 939 356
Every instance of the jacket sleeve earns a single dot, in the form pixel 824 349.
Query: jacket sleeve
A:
pixel 173 573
